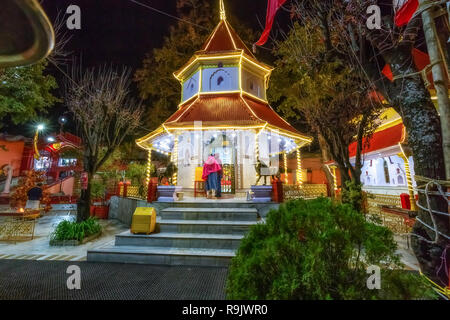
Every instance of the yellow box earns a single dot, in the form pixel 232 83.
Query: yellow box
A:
pixel 144 220
pixel 198 174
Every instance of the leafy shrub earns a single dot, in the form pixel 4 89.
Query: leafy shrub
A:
pixel 352 194
pixel 72 230
pixel 137 173
pixel 317 249
pixel 97 189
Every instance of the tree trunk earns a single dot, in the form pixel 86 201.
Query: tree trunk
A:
pixel 84 203
pixel 326 157
pixel 412 101
pixel 440 80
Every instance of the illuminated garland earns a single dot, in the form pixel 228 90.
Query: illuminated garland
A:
pixel 299 167
pixel 35 142
pixel 285 168
pixel 149 165
pixel 175 159
pixel 334 178
pixel 408 179
pixel 257 154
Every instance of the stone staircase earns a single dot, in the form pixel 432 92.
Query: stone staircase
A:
pixel 198 235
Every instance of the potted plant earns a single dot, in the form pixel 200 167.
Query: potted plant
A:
pixel 98 194
pixel 166 191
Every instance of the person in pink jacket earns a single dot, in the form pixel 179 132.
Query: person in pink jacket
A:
pixel 211 169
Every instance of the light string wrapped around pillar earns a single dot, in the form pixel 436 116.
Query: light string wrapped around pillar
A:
pixel 299 168
pixel 174 159
pixel 149 166
pixel 409 182
pixel 258 173
pixel 286 181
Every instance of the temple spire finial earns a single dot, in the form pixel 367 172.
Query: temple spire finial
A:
pixel 222 11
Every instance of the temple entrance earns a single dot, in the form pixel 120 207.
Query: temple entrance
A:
pixel 227 154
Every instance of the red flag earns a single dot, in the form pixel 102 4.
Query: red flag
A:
pixel 421 60
pixel 272 8
pixel 406 12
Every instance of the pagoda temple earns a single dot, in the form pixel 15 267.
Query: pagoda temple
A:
pixel 224 110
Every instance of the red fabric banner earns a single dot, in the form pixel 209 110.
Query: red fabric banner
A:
pixel 421 60
pixel 406 12
pixel 272 8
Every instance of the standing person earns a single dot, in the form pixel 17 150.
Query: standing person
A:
pixel 210 173
pixel 219 176
pixel 34 197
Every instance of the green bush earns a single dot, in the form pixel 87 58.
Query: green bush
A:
pixel 137 173
pixel 72 230
pixel 315 250
pixel 97 189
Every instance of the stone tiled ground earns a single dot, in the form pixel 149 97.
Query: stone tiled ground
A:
pixel 39 248
pixel 21 279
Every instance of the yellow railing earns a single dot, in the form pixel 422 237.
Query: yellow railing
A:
pixel 375 201
pixel 397 223
pixel 16 229
pixel 305 191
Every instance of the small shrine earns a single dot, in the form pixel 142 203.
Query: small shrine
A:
pixel 224 110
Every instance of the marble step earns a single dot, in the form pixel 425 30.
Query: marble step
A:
pixel 162 255
pixel 180 240
pixel 205 226
pixel 229 214
pixel 211 204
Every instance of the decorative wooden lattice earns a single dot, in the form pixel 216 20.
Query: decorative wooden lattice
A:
pixel 16 229
pixel 305 191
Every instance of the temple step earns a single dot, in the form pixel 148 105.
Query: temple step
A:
pixel 205 226
pixel 229 214
pixel 192 236
pixel 180 240
pixel 162 256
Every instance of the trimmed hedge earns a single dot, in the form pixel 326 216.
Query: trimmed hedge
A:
pixel 316 249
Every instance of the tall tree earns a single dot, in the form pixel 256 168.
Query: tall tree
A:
pixel 155 79
pixel 25 92
pixel 105 114
pixel 333 97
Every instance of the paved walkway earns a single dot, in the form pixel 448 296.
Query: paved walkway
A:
pixel 39 248
pixel 47 280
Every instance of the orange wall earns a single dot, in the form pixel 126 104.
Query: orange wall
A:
pixel 67 187
pixel 13 155
pixel 314 167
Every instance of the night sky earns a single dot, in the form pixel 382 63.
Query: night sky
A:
pixel 120 33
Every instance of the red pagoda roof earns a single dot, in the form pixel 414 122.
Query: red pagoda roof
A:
pixel 380 140
pixel 230 109
pixel 224 38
